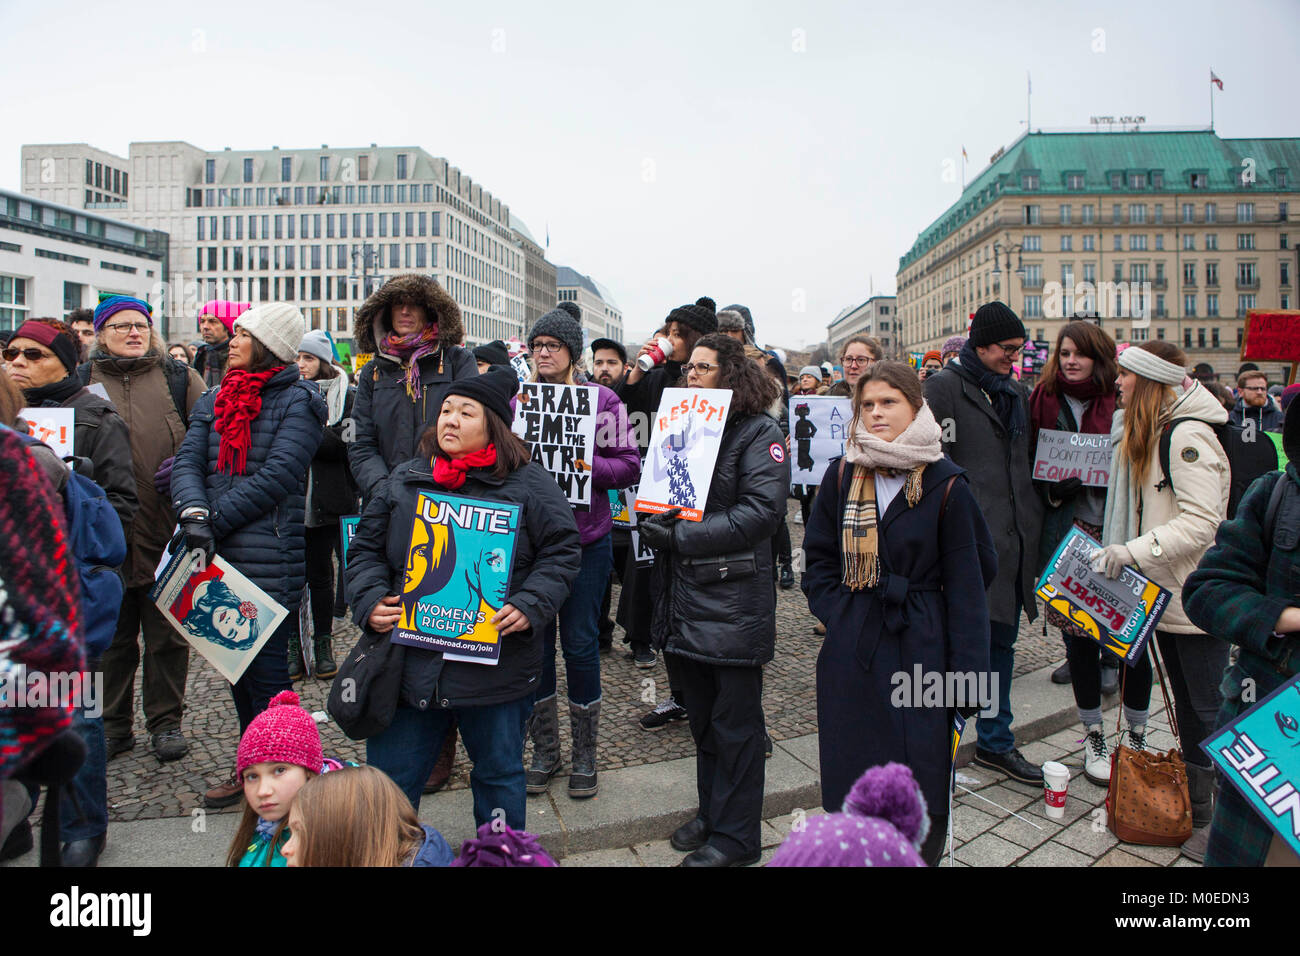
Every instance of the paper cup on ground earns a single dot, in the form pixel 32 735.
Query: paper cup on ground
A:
pixel 1056 779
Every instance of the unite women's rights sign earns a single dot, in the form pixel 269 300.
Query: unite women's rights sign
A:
pixel 1073 454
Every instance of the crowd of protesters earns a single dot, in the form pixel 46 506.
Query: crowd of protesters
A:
pixel 923 547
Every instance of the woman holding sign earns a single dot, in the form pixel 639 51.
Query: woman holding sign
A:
pixel 556 343
pixel 237 486
pixel 472 454
pixel 1077 395
pixel 899 558
pixel 717 612
pixel 1162 524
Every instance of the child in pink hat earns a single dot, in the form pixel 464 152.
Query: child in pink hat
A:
pixel 279 752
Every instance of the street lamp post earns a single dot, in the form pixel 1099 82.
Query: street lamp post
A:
pixel 368 256
pixel 1003 250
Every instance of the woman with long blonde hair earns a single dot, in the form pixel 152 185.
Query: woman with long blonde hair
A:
pixel 1162 525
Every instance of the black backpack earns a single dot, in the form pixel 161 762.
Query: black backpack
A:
pixel 178 383
pixel 1247 460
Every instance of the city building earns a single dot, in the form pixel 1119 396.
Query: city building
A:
pixel 539 275
pixel 316 227
pixel 877 317
pixel 55 258
pixel 1155 235
pixel 601 317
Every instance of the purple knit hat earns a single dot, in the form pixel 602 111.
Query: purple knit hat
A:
pixel 283 733
pixel 498 845
pixel 883 823
pixel 954 344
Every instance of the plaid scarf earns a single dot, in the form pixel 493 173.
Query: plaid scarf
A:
pixel 410 349
pixel 859 540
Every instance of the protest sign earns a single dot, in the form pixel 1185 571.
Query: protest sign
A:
pixel 1272 335
pixel 558 422
pixel 819 425
pixel 1259 754
pixel 1120 614
pixel 348 525
pixel 361 360
pixel 223 615
pixel 1072 455
pixel 54 426
pixel 520 364
pixel 684 444
pixel 620 506
pixel 306 647
pixel 643 556
pixel 97 388
pixel 1282 459
pixel 458 566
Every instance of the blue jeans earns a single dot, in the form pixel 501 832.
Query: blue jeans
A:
pixel 494 740
pixel 87 816
pixel 579 619
pixel 995 734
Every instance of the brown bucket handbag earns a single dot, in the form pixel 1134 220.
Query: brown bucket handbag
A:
pixel 1147 802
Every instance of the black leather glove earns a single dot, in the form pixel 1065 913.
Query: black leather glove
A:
pixel 657 530
pixel 198 534
pixel 1066 488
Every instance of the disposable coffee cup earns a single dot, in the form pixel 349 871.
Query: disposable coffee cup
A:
pixel 1056 780
pixel 655 355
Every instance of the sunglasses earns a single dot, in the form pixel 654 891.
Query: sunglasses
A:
pixel 31 355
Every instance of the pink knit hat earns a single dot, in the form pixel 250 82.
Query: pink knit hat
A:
pixel 283 733
pixel 226 311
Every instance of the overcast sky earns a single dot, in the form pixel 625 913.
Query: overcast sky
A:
pixel 780 155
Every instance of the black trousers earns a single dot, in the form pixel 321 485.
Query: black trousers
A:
pixel 321 543
pixel 1086 657
pixel 726 718
pixel 1194 664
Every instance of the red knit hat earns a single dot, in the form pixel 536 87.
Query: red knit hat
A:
pixel 283 733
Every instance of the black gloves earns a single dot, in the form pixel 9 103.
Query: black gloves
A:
pixel 1066 488
pixel 657 530
pixel 196 533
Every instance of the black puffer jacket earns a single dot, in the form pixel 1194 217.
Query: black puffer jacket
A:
pixel 257 517
pixel 732 620
pixel 388 423
pixel 547 557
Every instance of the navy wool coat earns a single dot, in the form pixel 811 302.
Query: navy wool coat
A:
pixel 929 609
pixel 257 517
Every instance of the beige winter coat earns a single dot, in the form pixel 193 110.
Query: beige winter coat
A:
pixel 1181 523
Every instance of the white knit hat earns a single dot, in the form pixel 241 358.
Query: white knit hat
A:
pixel 278 326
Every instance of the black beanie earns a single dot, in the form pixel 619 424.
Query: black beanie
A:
pixel 599 344
pixel 493 390
pixel 561 323
pixel 994 322
pixel 702 316
pixel 494 353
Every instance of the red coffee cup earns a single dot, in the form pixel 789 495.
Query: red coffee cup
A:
pixel 655 355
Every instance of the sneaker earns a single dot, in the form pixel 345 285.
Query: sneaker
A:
pixel 113 746
pixel 1013 764
pixel 1062 674
pixel 170 745
pixel 1096 757
pixel 667 711
pixel 225 794
pixel 1137 737
pixel 645 657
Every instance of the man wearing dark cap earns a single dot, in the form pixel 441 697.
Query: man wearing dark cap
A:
pixel 748 320
pixel 984 414
pixel 608 362
pixel 494 353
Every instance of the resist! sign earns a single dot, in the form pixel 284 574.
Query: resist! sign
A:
pixel 1073 454
pixel 559 424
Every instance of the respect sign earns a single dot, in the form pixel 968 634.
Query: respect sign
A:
pixel 558 422
pixel 1073 454
pixel 1120 614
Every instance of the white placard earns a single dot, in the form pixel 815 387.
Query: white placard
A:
pixel 54 426
pixel 683 450
pixel 819 426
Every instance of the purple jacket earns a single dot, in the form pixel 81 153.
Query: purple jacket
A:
pixel 617 463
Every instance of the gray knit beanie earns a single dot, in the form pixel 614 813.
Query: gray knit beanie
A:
pixel 561 323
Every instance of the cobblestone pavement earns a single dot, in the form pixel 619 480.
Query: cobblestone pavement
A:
pixel 140 787
pixel 1000 823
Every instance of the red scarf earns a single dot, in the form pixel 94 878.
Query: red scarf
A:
pixel 1044 409
pixel 450 472
pixel 410 349
pixel 238 402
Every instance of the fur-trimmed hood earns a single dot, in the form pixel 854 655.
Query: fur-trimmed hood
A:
pixel 415 288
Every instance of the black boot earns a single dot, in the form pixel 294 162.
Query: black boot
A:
pixel 326 667
pixel 296 669
pixel 544 729
pixel 583 721
pixel 787 576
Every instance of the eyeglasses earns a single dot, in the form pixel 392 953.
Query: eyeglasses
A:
pixel 851 360
pixel 126 328
pixel 704 368
pixel 31 355
pixel 1254 388
pixel 1010 351
pixel 549 348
